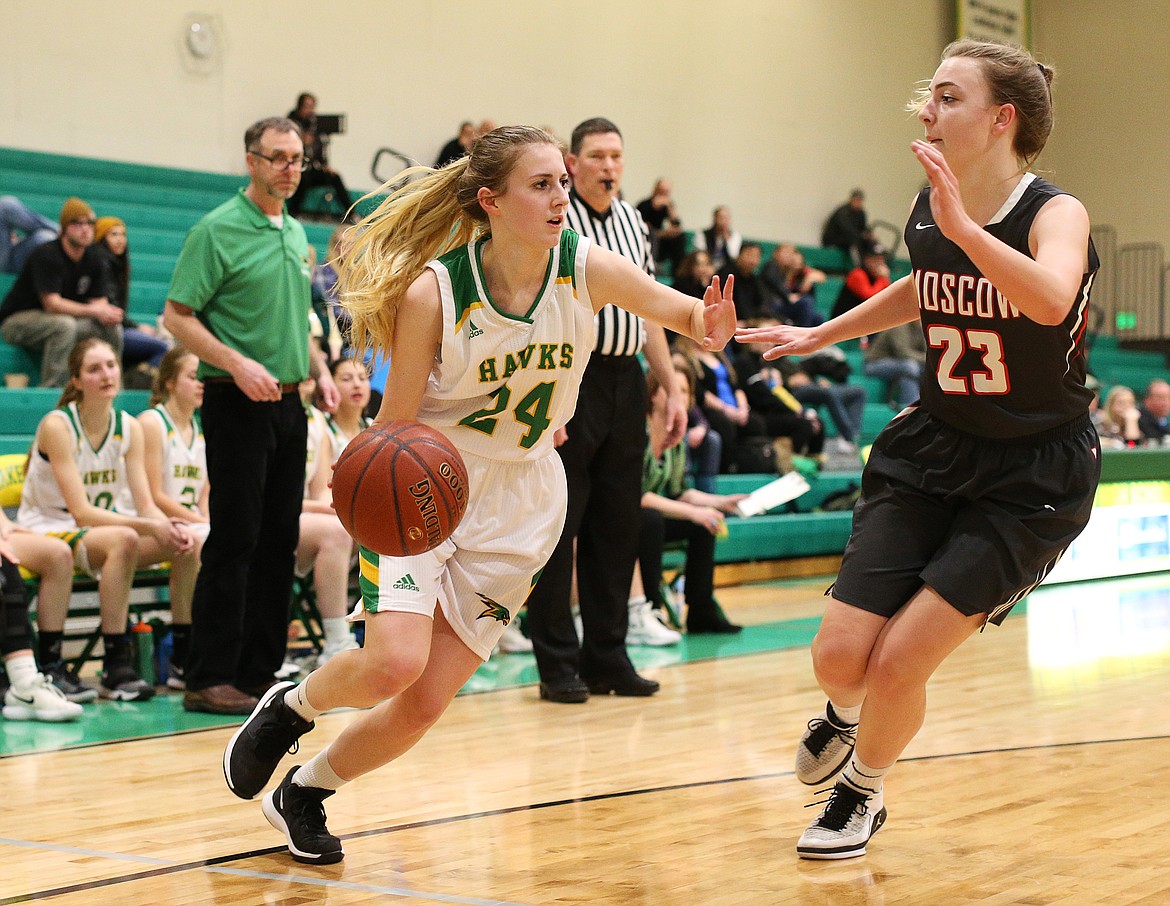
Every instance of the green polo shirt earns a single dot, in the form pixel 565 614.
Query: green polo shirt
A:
pixel 248 282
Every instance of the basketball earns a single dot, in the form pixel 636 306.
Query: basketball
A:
pixel 400 488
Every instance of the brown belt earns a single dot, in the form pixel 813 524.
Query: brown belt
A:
pixel 289 387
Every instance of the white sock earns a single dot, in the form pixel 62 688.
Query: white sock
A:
pixel 864 778
pixel 22 670
pixel 318 773
pixel 295 699
pixel 638 601
pixel 848 716
pixel 337 630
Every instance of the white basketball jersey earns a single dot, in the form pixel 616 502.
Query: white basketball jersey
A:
pixel 504 383
pixel 338 438
pixel 184 465
pixel 102 469
pixel 318 432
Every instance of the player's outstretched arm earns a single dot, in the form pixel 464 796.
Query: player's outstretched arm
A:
pixel 894 305
pixel 618 281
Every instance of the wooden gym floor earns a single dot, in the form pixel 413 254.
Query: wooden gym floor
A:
pixel 1042 776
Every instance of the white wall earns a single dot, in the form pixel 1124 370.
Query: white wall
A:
pixel 774 107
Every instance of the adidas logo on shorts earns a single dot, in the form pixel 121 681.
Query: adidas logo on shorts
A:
pixel 406 583
pixel 474 331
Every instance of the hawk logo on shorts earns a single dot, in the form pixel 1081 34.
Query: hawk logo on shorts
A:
pixel 406 583
pixel 493 610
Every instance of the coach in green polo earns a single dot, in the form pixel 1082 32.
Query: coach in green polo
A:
pixel 239 300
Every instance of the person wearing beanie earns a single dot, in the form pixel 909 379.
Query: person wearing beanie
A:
pixel 60 297
pixel 141 344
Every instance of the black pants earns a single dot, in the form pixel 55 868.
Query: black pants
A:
pixel 657 529
pixel 603 466
pixel 256 467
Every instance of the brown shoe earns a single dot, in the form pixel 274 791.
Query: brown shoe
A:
pixel 222 699
pixel 259 690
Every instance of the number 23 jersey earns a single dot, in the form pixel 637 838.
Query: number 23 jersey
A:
pixel 502 383
pixel 991 370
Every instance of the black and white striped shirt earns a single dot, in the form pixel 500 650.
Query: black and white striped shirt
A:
pixel 621 230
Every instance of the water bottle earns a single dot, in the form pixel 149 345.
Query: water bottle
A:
pixel 143 651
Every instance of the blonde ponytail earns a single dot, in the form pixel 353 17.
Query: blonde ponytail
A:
pixel 420 221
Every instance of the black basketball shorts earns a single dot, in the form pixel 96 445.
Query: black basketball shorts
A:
pixel 980 521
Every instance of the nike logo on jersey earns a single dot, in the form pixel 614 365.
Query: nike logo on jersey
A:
pixel 923 226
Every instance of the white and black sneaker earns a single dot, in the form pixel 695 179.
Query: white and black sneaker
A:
pixel 40 700
pixel 255 749
pixel 842 830
pixel 298 812
pixel 825 747
pixel 120 683
pixel 70 683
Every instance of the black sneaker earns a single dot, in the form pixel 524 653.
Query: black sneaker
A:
pixel 255 750
pixel 121 684
pixel 298 812
pixel 70 683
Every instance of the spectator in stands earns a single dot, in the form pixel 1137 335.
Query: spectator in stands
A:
pixel 60 297
pixel 86 483
pixel 141 343
pixel 784 415
pixel 325 548
pixel 317 170
pixel 848 229
pixel 459 146
pixel 719 240
pixel 1155 418
pixel 21 230
pixel 752 297
pixel 868 279
pixel 673 512
pixel 793 284
pixel 666 232
pixel 239 300
pixel 896 356
pixel 694 273
pixel 704 446
pixel 36 695
pixel 175 455
pixel 845 402
pixel 484 127
pixel 1118 421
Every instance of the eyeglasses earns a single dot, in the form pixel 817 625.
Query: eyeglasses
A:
pixel 83 221
pixel 282 163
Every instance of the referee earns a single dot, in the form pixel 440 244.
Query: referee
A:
pixel 602 454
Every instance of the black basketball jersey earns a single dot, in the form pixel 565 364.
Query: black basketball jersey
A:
pixel 990 370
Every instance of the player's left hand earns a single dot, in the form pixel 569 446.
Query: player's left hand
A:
pixel 718 314
pixel 946 202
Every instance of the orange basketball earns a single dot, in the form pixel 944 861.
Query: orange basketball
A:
pixel 400 488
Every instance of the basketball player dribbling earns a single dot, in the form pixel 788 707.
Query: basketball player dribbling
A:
pixel 971 496
pixel 488 345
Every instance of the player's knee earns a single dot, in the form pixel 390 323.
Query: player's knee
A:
pixel 388 673
pixel 892 672
pixel 123 542
pixel 838 663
